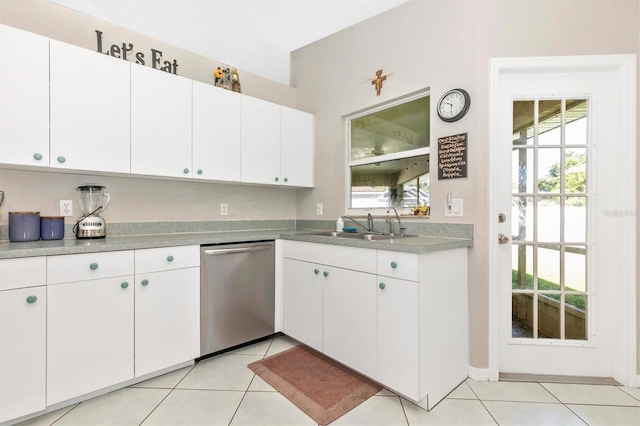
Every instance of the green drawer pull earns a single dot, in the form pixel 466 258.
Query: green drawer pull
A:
pixel 61 159
pixel 286 179
pixel 186 171
pixel 382 286
pixel 169 258
pixel 277 179
pixel 394 265
pixel 37 156
pixel 325 273
pixel 32 299
pixel 93 266
pixel 316 271
pixel 124 284
pixel 199 171
pixel 145 282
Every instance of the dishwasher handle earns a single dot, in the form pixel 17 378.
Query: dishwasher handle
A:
pixel 218 252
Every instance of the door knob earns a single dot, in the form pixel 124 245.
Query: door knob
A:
pixel 503 239
pixel 502 218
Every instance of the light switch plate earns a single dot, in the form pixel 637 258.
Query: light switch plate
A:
pixel 455 210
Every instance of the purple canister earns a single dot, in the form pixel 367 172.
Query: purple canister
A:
pixel 24 226
pixel 52 227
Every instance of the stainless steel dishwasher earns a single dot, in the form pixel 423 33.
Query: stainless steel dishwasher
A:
pixel 237 294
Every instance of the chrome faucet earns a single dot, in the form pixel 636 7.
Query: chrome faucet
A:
pixel 390 222
pixel 368 226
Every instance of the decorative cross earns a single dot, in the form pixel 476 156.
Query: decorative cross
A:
pixel 378 81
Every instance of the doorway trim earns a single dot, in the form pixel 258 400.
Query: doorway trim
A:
pixel 624 68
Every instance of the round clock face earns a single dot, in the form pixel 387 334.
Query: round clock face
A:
pixel 453 105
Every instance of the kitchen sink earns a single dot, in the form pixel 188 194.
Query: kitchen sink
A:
pixel 356 235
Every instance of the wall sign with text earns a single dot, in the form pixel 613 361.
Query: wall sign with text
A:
pixel 452 156
pixel 125 51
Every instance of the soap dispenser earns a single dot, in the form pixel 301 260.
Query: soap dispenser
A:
pixel 339 224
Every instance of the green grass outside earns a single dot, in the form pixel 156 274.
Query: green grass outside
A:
pixel 575 300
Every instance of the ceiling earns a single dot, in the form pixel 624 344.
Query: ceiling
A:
pixel 256 36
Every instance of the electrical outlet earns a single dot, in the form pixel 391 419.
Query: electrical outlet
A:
pixel 319 209
pixel 454 209
pixel 224 209
pixel 66 208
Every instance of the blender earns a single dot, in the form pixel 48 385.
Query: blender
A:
pixel 93 201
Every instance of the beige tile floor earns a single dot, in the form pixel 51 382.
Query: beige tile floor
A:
pixel 223 391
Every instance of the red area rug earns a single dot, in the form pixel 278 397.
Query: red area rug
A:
pixel 319 386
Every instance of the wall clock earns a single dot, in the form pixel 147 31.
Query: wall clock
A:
pixel 453 105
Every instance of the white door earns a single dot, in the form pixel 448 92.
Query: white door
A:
pixel 160 123
pixel 561 149
pixel 90 110
pixel 216 133
pixel 296 147
pixel 260 141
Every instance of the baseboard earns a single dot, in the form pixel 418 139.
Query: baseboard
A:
pixel 479 374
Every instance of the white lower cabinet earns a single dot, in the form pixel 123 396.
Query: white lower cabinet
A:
pixel 167 307
pixel 167 319
pixel 349 326
pixel 89 336
pixel 303 284
pixel 22 351
pixel 399 318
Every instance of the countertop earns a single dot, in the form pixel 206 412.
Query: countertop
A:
pixel 420 244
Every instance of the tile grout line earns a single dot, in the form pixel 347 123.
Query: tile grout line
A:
pixel 167 395
pixel 247 390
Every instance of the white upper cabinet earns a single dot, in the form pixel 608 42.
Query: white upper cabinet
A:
pixel 24 98
pixel 160 123
pixel 260 141
pixel 216 133
pixel 90 116
pixel 296 147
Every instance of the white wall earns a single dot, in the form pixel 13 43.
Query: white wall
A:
pixel 443 44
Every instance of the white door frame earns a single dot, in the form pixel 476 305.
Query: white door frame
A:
pixel 623 67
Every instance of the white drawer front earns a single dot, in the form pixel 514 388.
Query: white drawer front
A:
pixel 354 258
pixel 89 266
pixel 22 272
pixel 398 265
pixel 167 258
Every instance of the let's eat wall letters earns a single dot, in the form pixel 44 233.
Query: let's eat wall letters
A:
pixel 126 51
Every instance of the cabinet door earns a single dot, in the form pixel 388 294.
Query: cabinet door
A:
pixel 167 319
pixel 160 123
pixel 303 302
pixel 216 133
pixel 398 335
pixel 22 351
pixel 260 141
pixel 350 318
pixel 89 336
pixel 90 112
pixel 24 98
pixel 296 147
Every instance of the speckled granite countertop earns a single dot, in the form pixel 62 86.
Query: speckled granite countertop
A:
pixel 420 244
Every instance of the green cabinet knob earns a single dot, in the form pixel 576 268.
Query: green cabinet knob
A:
pixel 199 171
pixel 145 282
pixel 169 258
pixel 93 266
pixel 277 179
pixel 394 265
pixel 37 156
pixel 382 286
pixel 316 271
pixel 32 299
pixel 124 284
pixel 286 179
pixel 186 171
pixel 61 159
pixel 325 273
